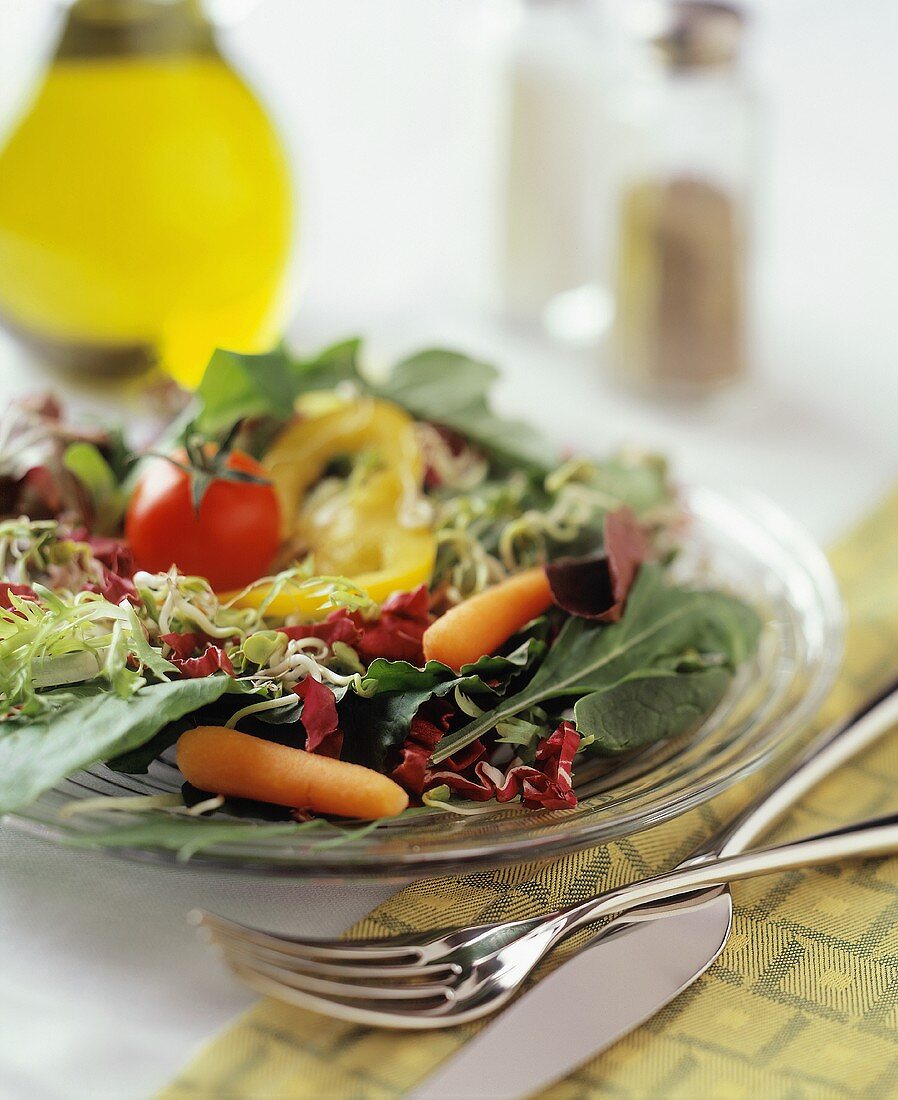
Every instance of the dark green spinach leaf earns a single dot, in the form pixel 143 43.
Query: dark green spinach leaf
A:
pixel 443 386
pixel 375 725
pixel 647 707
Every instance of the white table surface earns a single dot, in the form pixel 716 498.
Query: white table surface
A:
pixel 104 989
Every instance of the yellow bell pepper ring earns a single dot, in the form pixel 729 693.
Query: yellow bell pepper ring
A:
pixel 411 554
pixel 364 528
pixel 301 453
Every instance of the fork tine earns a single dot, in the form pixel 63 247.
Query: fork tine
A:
pixel 393 1016
pixel 239 945
pixel 319 950
pixel 349 991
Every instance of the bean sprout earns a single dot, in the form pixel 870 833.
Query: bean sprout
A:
pixel 255 708
pixel 190 601
pixel 300 658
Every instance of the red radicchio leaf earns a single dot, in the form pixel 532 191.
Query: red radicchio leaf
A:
pixel 184 644
pixel 319 718
pixel 194 668
pixel 424 734
pixel 597 587
pixel 115 588
pixel 414 754
pixel 398 631
pixel 548 787
pixel 114 554
pixel 23 591
pixel 337 627
pixel 556 752
pixel 39 487
pixel 465 758
pixel 395 634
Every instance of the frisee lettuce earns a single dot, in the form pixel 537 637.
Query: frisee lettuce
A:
pixel 64 639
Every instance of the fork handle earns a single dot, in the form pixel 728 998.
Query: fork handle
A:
pixel 876 837
pixel 824 755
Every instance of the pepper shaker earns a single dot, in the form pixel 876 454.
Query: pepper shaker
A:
pixel 687 122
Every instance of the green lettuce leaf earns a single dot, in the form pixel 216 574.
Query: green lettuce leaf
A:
pixel 98 478
pixel 236 386
pixel 443 386
pixel 452 389
pixel 90 724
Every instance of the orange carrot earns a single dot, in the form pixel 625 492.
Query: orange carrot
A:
pixel 483 622
pixel 225 761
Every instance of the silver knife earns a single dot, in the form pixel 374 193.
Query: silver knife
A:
pixel 642 960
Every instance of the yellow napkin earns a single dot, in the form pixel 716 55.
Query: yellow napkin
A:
pixel 803 1002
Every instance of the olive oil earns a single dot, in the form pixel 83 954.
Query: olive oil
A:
pixel 145 201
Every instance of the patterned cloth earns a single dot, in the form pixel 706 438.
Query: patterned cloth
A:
pixel 803 1001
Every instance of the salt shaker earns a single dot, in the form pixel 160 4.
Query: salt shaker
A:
pixel 553 212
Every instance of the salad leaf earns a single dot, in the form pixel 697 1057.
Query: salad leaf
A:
pixel 375 724
pixel 452 389
pixel 236 386
pixel 148 655
pixel 660 624
pixel 88 724
pixel 597 587
pixel 647 707
pixel 446 387
pixel 188 835
pixel 636 479
pixel 85 461
pixel 137 761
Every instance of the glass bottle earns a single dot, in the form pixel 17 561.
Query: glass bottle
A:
pixel 687 151
pixel 556 203
pixel 145 199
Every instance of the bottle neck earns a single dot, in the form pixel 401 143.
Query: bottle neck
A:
pixel 120 28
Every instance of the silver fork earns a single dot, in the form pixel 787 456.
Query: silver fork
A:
pixel 444 978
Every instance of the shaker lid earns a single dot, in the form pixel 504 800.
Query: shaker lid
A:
pixel 700 33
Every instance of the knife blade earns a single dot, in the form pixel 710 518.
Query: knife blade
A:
pixel 553 1028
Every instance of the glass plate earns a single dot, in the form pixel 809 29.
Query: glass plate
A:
pixel 745 545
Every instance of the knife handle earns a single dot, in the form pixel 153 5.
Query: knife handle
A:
pixel 822 757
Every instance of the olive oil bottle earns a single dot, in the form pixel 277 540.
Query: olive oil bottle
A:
pixel 145 200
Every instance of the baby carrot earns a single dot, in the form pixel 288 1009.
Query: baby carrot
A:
pixel 225 761
pixel 480 624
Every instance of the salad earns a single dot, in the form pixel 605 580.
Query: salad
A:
pixel 327 595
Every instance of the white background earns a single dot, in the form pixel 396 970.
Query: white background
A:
pixel 389 105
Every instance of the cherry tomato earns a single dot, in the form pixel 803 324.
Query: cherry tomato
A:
pixel 231 541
